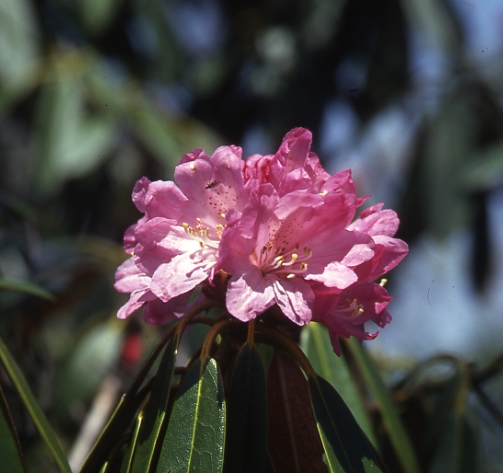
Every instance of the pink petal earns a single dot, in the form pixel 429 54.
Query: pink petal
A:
pixel 295 298
pixel 250 294
pixel 165 199
pixel 375 221
pixel 295 148
pixel 334 274
pixel 128 277
pixel 182 274
pixel 140 192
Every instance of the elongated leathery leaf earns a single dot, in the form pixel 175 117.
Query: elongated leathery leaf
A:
pixel 392 423
pixel 194 440
pixel 122 417
pixel 10 450
pixel 315 343
pixel 155 411
pixel 26 288
pixel 346 447
pixel 294 443
pixel 127 461
pixel 246 430
pixel 33 408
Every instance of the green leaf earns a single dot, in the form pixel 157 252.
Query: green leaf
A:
pixel 294 441
pixel 315 343
pixel 10 449
pixel 70 142
pixel 452 444
pixel 246 429
pixel 155 411
pixel 19 35
pixel 458 451
pixel 127 462
pixel 346 447
pixel 111 435
pixel 97 14
pixel 123 415
pixel 445 199
pixel 391 420
pixel 33 408
pixel 442 406
pixel 194 440
pixel 25 288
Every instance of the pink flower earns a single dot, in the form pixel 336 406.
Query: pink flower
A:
pixel 274 230
pixel 174 245
pixel 281 245
pixel 346 313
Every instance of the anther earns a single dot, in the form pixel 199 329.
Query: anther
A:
pixel 292 261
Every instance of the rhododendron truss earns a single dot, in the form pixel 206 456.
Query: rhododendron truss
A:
pixel 269 235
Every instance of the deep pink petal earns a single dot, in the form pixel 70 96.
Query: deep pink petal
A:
pixel 295 148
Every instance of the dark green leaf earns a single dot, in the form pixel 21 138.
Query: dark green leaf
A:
pixel 19 37
pixel 123 415
pixel 246 430
pixel 97 14
pixel 347 448
pixel 33 408
pixel 26 288
pixel 127 462
pixel 459 448
pixel 155 411
pixel 194 440
pixel 448 147
pixel 442 411
pixel 294 442
pixel 10 450
pixel 394 426
pixel 315 343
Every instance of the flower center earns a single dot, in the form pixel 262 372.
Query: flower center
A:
pixel 287 264
pixel 202 234
pixel 350 309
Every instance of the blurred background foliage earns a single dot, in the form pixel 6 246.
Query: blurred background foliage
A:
pixel 96 93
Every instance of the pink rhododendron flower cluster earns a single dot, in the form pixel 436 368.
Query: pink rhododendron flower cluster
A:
pixel 275 230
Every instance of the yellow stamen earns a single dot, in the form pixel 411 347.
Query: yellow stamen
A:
pixel 292 261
